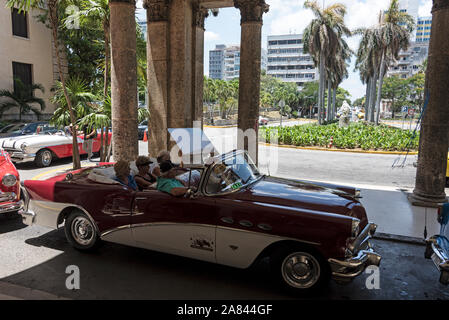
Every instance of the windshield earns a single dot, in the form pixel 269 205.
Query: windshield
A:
pixel 233 173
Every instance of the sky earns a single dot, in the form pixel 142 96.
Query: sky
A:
pixel 290 16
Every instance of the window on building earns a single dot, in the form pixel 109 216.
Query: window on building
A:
pixel 19 23
pixel 22 71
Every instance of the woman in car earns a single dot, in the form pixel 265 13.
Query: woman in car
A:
pixel 122 173
pixel 144 178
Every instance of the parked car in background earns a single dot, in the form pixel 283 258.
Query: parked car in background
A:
pixel 20 129
pixel 9 185
pixel 46 146
pixel 437 246
pixel 141 129
pixel 263 121
pixel 231 215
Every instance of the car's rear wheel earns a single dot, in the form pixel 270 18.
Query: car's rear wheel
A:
pixel 299 269
pixel 43 158
pixel 80 231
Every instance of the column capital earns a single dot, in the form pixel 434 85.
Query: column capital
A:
pixel 132 2
pixel 251 10
pixel 199 15
pixel 157 10
pixel 440 5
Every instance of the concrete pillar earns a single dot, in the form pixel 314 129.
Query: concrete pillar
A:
pixel 199 15
pixel 123 79
pixel 249 85
pixel 180 64
pixel 158 51
pixel 433 144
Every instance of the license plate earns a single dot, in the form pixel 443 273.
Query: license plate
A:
pixel 436 260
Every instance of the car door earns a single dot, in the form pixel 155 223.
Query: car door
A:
pixel 176 225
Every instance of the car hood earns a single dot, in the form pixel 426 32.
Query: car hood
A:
pixel 37 139
pixel 302 195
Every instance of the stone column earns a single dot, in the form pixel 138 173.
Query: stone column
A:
pixel 157 73
pixel 249 85
pixel 199 15
pixel 433 144
pixel 123 79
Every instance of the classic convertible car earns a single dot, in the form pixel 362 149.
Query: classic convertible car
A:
pixel 233 215
pixel 10 185
pixel 45 147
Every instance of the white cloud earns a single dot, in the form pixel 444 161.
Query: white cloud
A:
pixel 425 8
pixel 211 36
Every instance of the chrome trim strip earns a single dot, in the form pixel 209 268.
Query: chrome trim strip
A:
pixel 153 224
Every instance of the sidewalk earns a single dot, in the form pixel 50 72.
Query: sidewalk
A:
pixel 9 291
pixel 396 218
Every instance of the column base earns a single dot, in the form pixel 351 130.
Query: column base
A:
pixel 424 200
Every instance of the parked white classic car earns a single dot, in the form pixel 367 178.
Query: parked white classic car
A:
pixel 44 148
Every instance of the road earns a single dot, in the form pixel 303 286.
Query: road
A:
pixel 36 257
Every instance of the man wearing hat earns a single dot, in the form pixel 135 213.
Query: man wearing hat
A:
pixel 167 182
pixel 144 178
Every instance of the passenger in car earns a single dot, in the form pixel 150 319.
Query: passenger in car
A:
pixel 163 156
pixel 144 178
pixel 122 172
pixel 167 182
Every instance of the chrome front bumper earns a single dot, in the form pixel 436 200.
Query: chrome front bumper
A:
pixel 9 202
pixel 439 256
pixel 20 157
pixel 360 255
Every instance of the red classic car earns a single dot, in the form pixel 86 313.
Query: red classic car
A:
pixel 233 215
pixel 10 185
pixel 44 148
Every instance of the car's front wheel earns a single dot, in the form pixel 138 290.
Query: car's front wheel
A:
pixel 43 158
pixel 80 231
pixel 300 269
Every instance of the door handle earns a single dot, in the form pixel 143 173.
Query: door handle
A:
pixel 246 223
pixel 227 220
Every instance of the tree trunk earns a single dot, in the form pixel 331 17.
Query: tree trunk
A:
pixel 102 145
pixel 379 89
pixel 367 98
pixel 321 88
pixel 328 115
pixel 372 96
pixel 334 101
pixel 54 22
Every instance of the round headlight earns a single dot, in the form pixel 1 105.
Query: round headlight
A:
pixel 355 227
pixel 9 180
pixel 23 146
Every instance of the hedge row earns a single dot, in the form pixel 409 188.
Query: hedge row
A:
pixel 359 135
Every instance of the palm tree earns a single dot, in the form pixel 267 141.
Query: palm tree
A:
pixel 394 34
pixel 368 62
pixel 52 7
pixel 79 96
pixel 22 98
pixel 321 37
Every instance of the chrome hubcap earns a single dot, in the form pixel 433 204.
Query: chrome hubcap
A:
pixel 46 157
pixel 300 270
pixel 82 231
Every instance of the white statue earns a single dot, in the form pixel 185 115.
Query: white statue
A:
pixel 344 117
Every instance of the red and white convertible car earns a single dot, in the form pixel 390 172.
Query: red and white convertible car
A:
pixel 10 185
pixel 44 148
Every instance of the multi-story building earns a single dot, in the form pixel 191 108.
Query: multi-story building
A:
pixel 26 53
pixel 423 28
pixel 288 62
pixel 224 62
pixel 410 61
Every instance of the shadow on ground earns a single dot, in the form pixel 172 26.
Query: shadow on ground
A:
pixel 121 272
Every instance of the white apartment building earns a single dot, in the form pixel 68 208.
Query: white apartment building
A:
pixel 26 53
pixel 224 62
pixel 287 61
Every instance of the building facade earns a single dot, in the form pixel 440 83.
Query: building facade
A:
pixel 224 62
pixel 287 61
pixel 26 53
pixel 424 26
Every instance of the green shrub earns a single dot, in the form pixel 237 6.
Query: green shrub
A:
pixel 359 135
